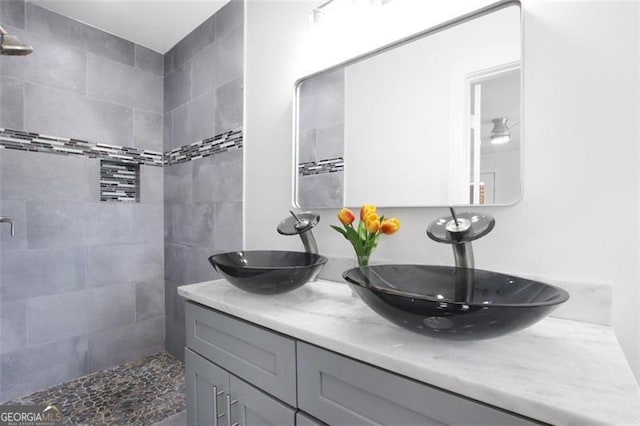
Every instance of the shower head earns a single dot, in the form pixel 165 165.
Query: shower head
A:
pixel 10 45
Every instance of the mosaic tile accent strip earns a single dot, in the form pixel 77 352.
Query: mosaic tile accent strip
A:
pixel 26 141
pixel 223 142
pixel 142 392
pixel 36 142
pixel 119 181
pixel 330 165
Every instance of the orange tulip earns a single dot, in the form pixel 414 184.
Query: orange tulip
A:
pixel 346 216
pixel 366 210
pixel 390 226
pixel 372 222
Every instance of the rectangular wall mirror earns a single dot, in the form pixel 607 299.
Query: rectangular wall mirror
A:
pixel 433 120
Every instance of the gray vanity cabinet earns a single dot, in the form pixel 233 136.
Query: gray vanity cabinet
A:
pixel 255 408
pixel 213 392
pixel 263 358
pixel 207 386
pixel 264 378
pixel 341 391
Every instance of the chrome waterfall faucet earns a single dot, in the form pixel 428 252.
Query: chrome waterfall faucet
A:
pixel 301 223
pixel 460 230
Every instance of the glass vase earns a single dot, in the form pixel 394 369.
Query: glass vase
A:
pixel 362 260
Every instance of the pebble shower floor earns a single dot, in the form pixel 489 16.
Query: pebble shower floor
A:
pixel 141 392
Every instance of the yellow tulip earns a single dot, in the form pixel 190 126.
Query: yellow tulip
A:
pixel 366 210
pixel 390 226
pixel 346 216
pixel 372 222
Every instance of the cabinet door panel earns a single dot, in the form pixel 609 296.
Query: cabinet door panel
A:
pixel 202 377
pixel 255 408
pixel 261 357
pixel 339 391
pixel 303 419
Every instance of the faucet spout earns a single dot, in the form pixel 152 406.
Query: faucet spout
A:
pixel 301 224
pixel 460 230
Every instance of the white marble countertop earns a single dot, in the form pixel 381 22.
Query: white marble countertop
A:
pixel 558 371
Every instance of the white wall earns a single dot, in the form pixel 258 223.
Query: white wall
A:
pixel 505 166
pixel 578 220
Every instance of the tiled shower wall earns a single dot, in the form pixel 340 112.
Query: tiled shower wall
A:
pixel 321 141
pixel 81 284
pixel 203 197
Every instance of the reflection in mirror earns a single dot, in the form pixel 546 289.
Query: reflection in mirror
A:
pixel 418 123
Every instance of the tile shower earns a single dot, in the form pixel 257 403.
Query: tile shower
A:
pixel 88 284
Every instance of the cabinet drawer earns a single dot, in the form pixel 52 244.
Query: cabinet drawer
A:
pixel 339 390
pixel 261 357
pixel 255 408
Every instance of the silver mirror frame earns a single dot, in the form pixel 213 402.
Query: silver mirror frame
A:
pixel 429 31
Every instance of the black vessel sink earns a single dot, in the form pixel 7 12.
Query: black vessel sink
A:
pixel 454 303
pixel 268 271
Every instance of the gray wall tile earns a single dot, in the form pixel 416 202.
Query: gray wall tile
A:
pixel 148 130
pixel 228 111
pixel 115 82
pixel 218 178
pixel 11 103
pixel 167 132
pixel 42 176
pixel 178 183
pixel 13 325
pixel 149 60
pixel 59 316
pixel 194 121
pixel 228 225
pixel 324 190
pixel 168 60
pixel 177 263
pixel 60 113
pixel 106 223
pixel 31 273
pixel 307 146
pixel 56 224
pixel 113 306
pixel 38 367
pixel 170 295
pixel 193 223
pixel 205 70
pixel 230 17
pixel 65 239
pixel 12 13
pixel 176 338
pixel 18 211
pixel 329 99
pixel 194 42
pixel 151 184
pixel 177 87
pixel 168 232
pixel 135 263
pixel 202 269
pixel 193 230
pixel 64 30
pixel 51 63
pixel 220 63
pixel 330 141
pixel 149 300
pixel 128 342
pixel 307 105
pixel 148 223
pixel 231 59
pixel 53 225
